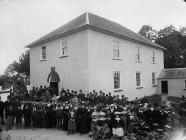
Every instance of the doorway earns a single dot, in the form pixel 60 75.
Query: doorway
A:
pixel 54 86
pixel 164 87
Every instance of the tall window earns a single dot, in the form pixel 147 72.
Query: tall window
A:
pixel 138 55
pixel 153 78
pixel 185 84
pixel 116 80
pixel 43 53
pixel 153 57
pixel 64 48
pixel 138 79
pixel 116 53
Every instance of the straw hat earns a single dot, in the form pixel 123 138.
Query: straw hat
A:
pixel 117 113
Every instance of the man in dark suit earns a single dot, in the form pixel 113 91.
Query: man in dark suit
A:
pixel 1 111
pixel 27 114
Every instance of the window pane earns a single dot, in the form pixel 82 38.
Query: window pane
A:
pixel 64 43
pixel 116 43
pixel 116 54
pixel 153 60
pixel 64 47
pixel 116 80
pixel 137 55
pixel 65 50
pixel 138 82
pixel 115 49
pixel 153 78
pixel 43 52
pixel 153 56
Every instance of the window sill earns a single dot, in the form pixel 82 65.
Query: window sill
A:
pixel 155 85
pixel 117 59
pixel 42 59
pixel 63 56
pixel 118 90
pixel 153 62
pixel 139 87
pixel 138 61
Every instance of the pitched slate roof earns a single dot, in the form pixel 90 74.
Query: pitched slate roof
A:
pixel 175 73
pixel 89 20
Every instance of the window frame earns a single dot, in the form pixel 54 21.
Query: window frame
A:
pixel 117 80
pixel 153 57
pixel 43 54
pixel 64 48
pixel 184 84
pixel 138 80
pixel 116 49
pixel 153 78
pixel 138 55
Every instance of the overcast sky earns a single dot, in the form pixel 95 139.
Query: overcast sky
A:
pixel 23 21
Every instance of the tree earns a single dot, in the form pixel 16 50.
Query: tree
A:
pixel 166 31
pixel 4 79
pixel 148 32
pixel 183 48
pixel 173 40
pixel 16 72
pixel 173 57
pixel 11 69
pixel 183 31
pixel 23 66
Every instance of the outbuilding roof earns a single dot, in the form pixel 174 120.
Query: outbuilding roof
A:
pixel 174 73
pixel 91 21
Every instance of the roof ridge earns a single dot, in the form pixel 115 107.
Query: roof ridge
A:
pixel 87 17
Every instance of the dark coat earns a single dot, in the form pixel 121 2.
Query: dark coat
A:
pixel 83 121
pixel 27 118
pixel 65 119
pixel 1 108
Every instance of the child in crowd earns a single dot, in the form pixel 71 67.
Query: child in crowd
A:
pixel 118 125
pixel 71 123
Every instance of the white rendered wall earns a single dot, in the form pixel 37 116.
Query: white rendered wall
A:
pixel 73 70
pixel 90 65
pixel 102 65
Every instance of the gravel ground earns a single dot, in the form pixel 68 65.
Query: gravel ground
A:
pixel 41 134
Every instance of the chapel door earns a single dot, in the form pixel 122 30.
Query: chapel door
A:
pixel 54 87
pixel 164 87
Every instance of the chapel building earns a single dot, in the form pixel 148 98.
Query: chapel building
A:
pixel 94 53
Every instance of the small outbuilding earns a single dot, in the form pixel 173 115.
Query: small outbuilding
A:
pixel 172 82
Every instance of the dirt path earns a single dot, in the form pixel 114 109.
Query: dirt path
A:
pixel 42 134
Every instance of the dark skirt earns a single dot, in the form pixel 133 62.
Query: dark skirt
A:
pixel 71 125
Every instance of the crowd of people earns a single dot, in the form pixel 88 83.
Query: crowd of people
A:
pixel 101 115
